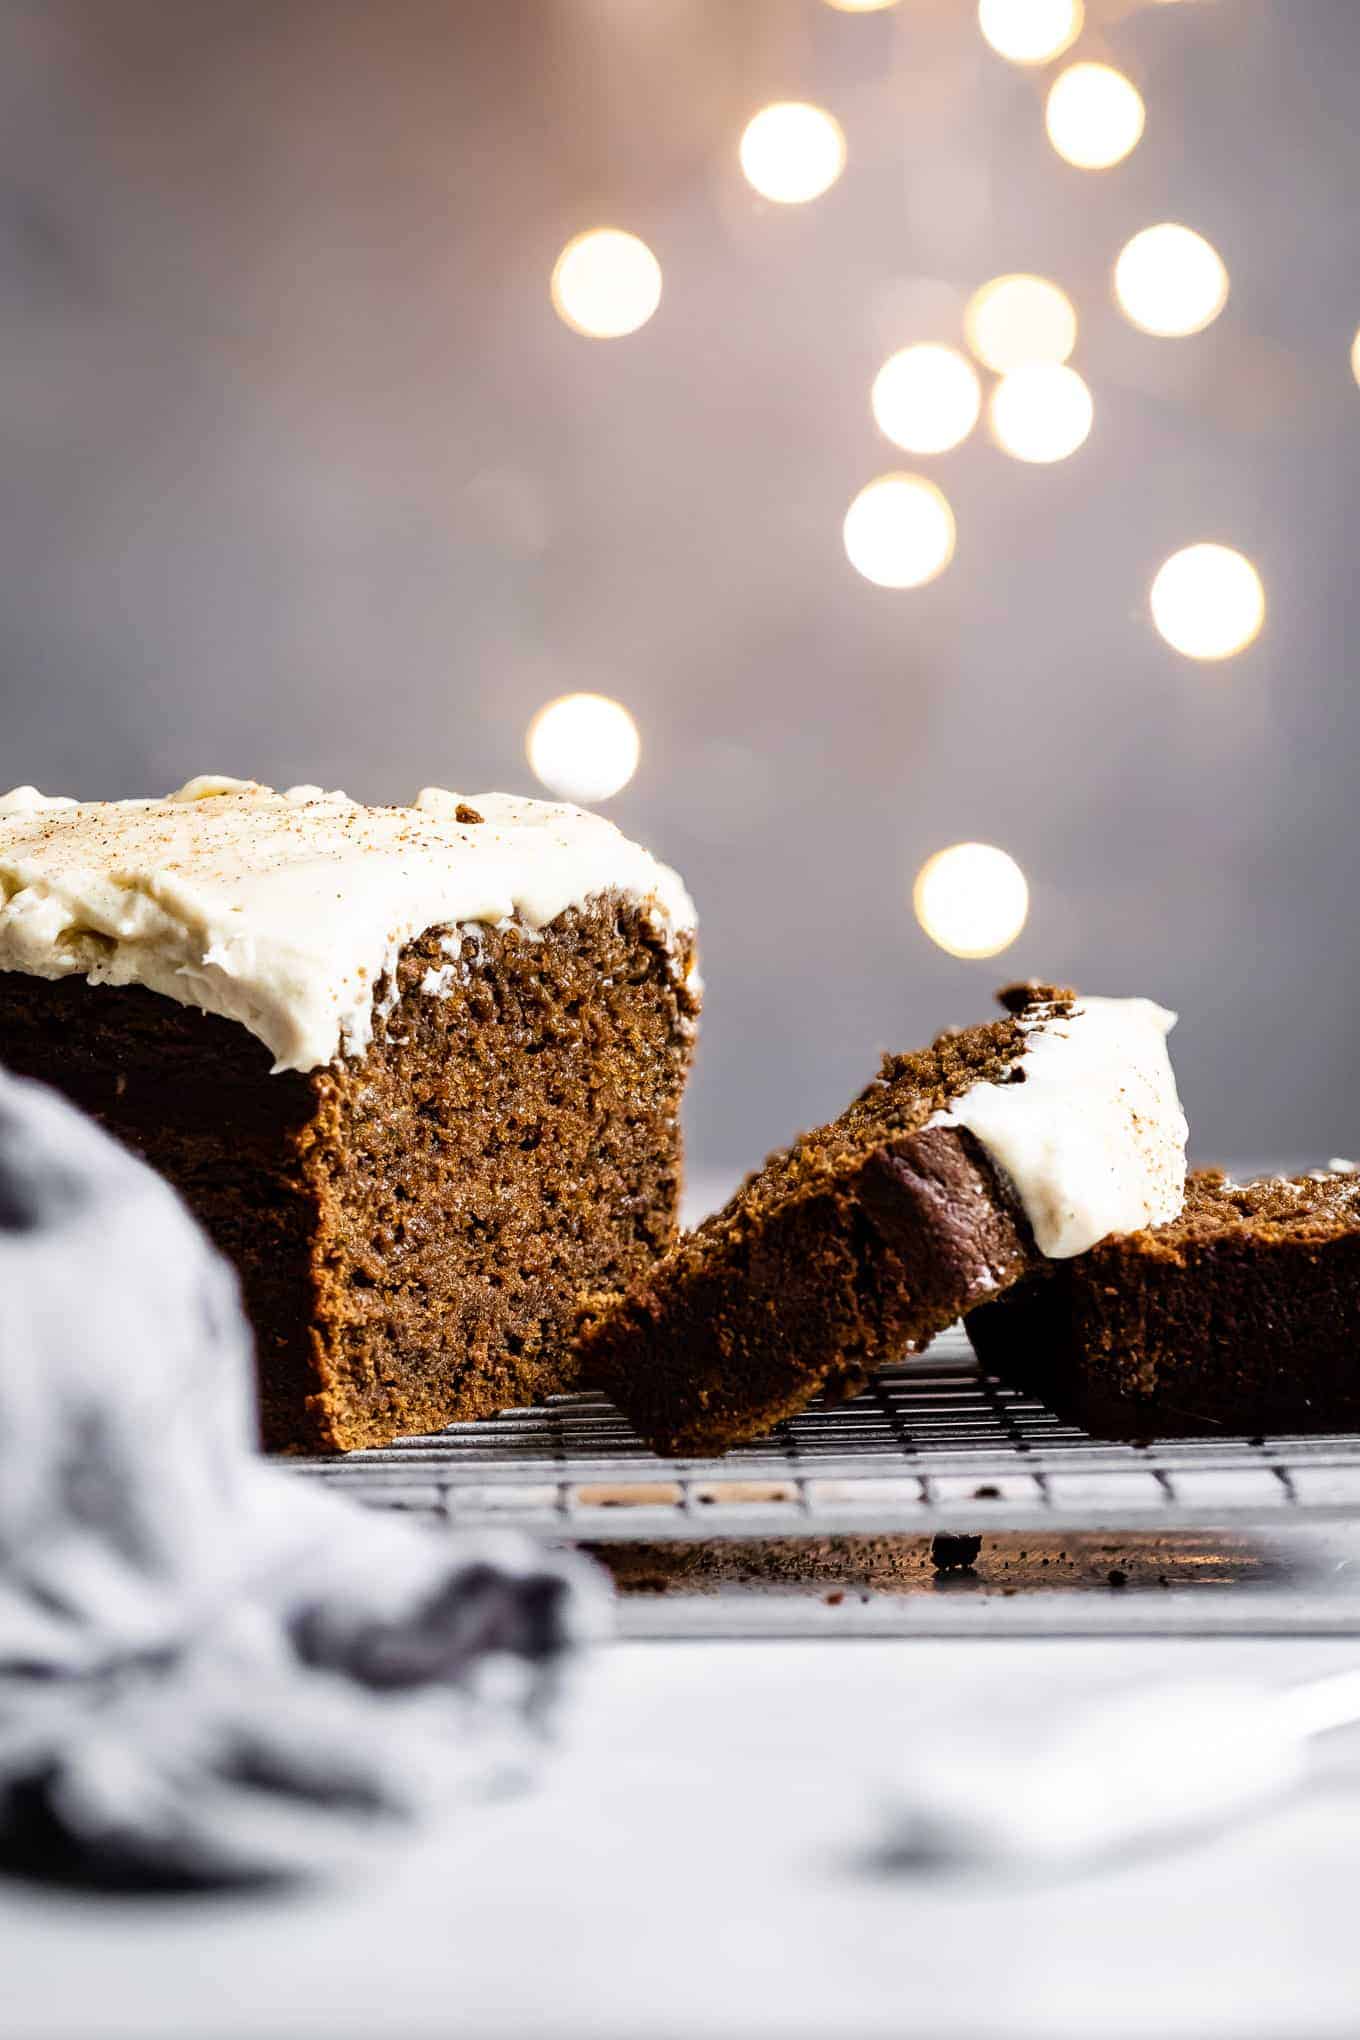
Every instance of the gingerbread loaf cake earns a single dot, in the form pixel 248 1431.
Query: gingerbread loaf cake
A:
pixel 952 1176
pixel 417 1069
pixel 1241 1315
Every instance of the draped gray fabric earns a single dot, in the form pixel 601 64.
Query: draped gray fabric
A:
pixel 211 1670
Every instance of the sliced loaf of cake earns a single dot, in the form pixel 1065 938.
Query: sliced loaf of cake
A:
pixel 952 1176
pixel 417 1069
pixel 1241 1315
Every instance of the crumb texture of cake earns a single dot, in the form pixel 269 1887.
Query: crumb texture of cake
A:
pixel 867 1237
pixel 420 1141
pixel 1240 1316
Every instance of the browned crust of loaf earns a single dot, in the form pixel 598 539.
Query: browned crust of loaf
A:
pixel 413 1227
pixel 1271 1210
pixel 846 1251
pixel 1242 1315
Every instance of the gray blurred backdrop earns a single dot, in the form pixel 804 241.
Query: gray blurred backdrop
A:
pixel 304 479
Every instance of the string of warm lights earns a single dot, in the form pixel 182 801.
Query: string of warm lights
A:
pixel 1094 116
pixel 1041 412
pixel 583 747
pixel 899 531
pixel 1031 31
pixel 606 283
pixel 1169 281
pixel 1014 320
pixel 1206 601
pixel 792 152
pixel 972 899
pixel 926 398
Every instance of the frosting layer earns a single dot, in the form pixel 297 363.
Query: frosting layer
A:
pixel 283 910
pixel 1089 1127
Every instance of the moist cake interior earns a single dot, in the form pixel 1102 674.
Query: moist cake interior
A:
pixel 412 1227
pixel 848 1249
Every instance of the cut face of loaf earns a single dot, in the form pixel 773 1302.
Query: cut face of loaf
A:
pixel 412 1226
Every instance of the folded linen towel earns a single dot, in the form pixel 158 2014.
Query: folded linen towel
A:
pixel 211 1670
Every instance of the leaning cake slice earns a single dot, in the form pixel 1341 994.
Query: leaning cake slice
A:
pixel 1241 1315
pixel 953 1175
pixel 417 1069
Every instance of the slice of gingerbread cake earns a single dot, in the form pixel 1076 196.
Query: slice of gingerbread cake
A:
pixel 1241 1315
pixel 417 1069
pixel 957 1172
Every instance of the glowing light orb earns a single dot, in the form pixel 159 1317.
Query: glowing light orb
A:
pixel 1170 281
pixel 861 6
pixel 606 283
pixel 971 899
pixel 1031 31
pixel 1014 320
pixel 1041 412
pixel 900 531
pixel 1208 601
pixel 926 398
pixel 1355 357
pixel 583 747
pixel 792 152
pixel 1094 116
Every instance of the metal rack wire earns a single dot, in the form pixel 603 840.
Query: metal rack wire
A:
pixel 931 1448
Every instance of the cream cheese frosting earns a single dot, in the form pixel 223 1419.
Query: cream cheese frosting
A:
pixel 284 910
pixel 1089 1129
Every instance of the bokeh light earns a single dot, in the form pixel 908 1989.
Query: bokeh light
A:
pixel 583 747
pixel 861 6
pixel 1170 281
pixel 1031 31
pixel 926 398
pixel 1094 115
pixel 899 531
pixel 1018 319
pixel 1208 601
pixel 972 899
pixel 792 152
pixel 1355 357
pixel 606 283
pixel 1041 412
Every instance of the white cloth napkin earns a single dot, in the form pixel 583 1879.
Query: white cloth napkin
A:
pixel 211 1670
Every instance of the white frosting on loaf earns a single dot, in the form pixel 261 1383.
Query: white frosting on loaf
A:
pixel 1090 1131
pixel 283 910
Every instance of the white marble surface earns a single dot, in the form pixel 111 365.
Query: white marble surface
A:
pixel 700 1862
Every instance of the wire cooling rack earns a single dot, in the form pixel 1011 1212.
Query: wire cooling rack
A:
pixel 931 1448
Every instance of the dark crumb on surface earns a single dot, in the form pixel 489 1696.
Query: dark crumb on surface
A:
pixel 986 1493
pixel 834 1600
pixel 900 1566
pixel 1033 992
pixel 954 1553
pixel 1117 1578
pixel 464 813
